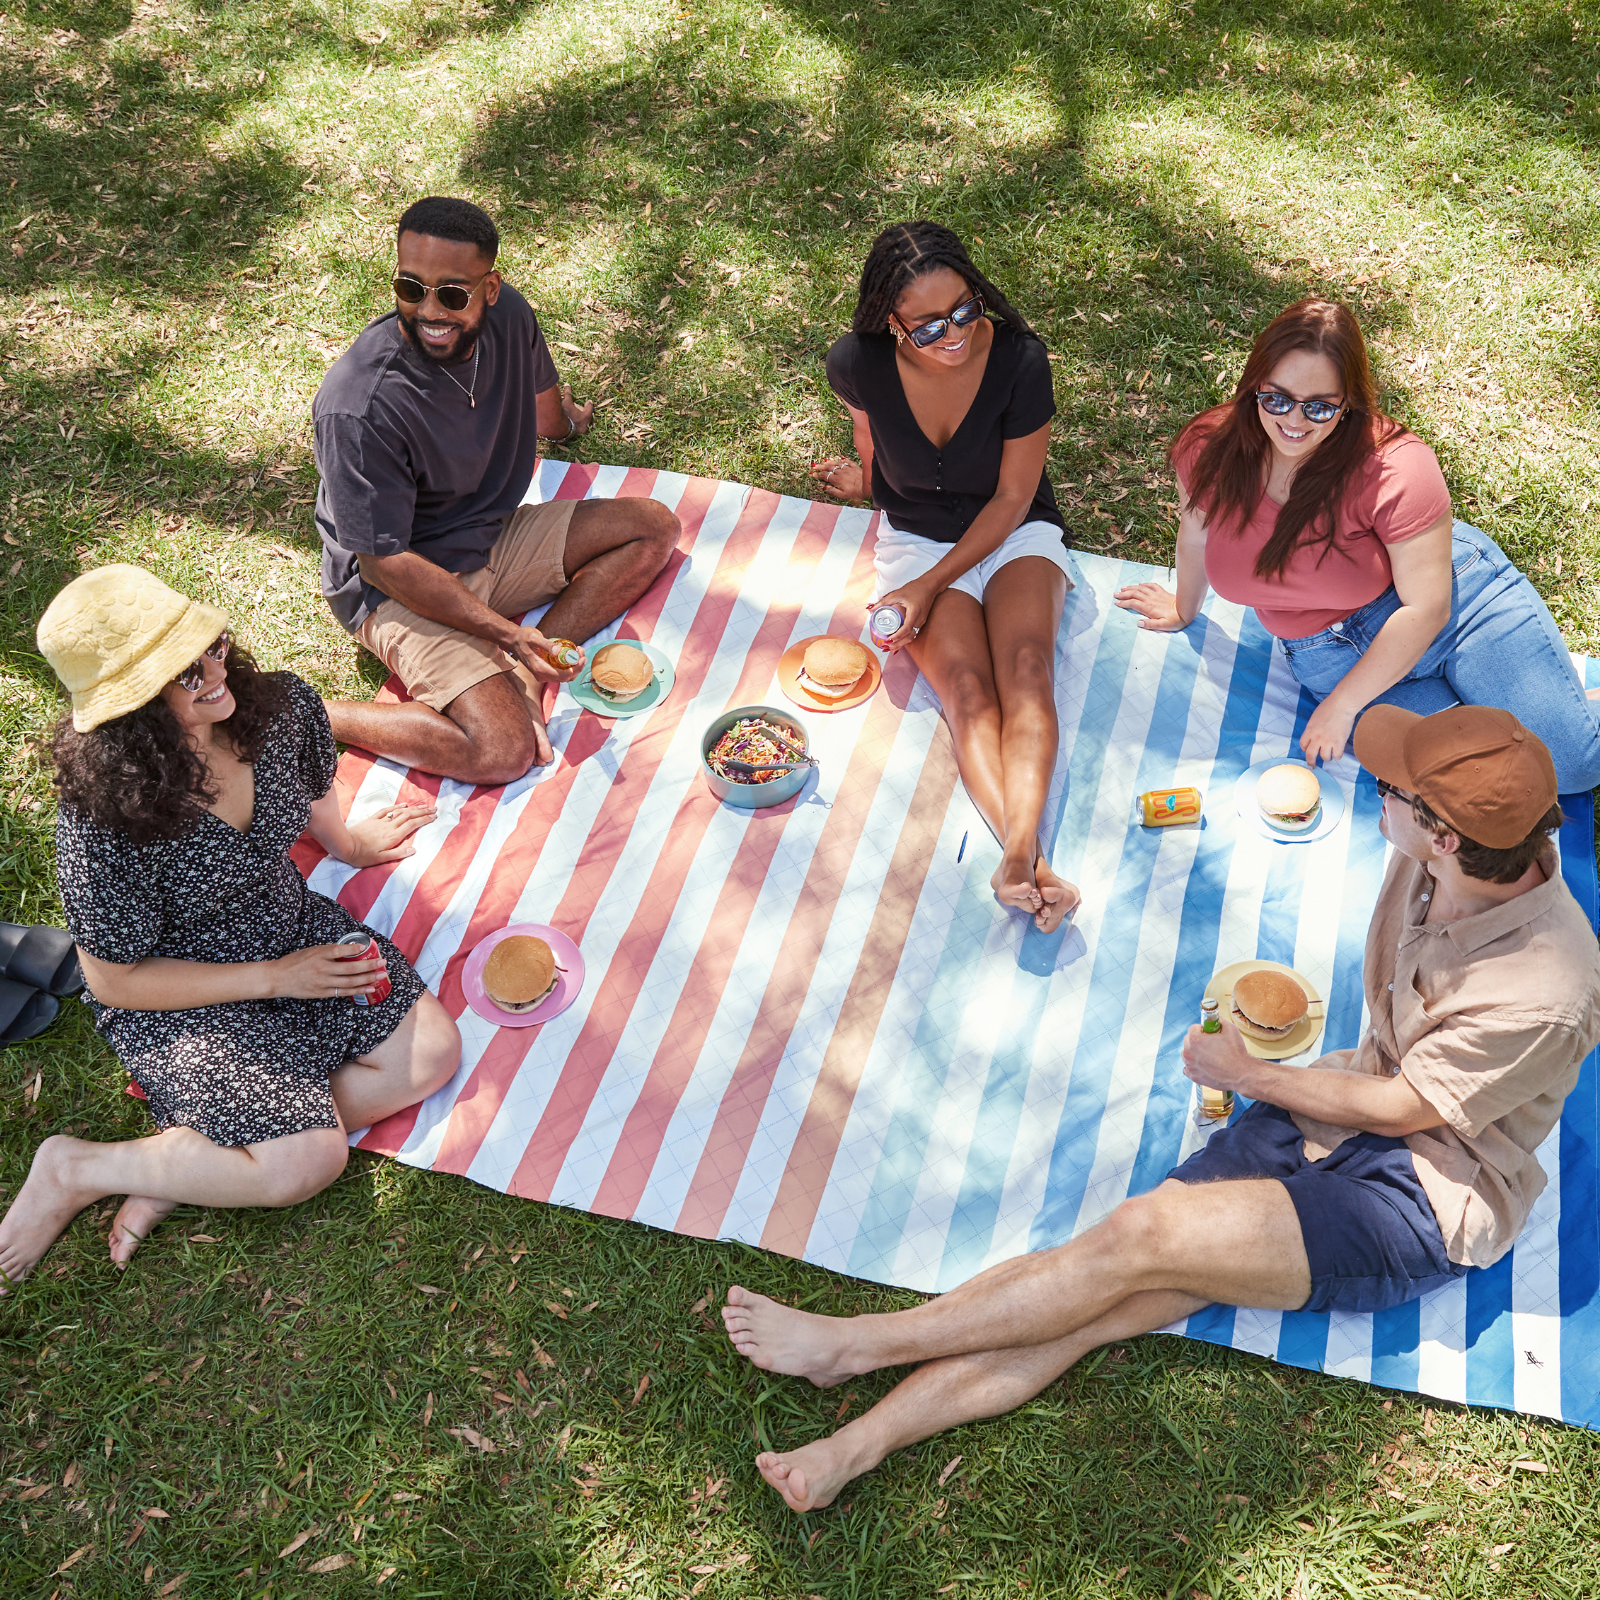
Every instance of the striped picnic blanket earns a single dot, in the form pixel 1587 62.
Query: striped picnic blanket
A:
pixel 811 1028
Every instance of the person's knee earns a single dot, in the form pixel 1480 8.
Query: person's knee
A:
pixel 1033 670
pixel 968 696
pixel 656 529
pixel 313 1161
pixel 1137 1232
pixel 502 755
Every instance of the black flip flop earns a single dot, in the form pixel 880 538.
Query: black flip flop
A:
pixel 41 957
pixel 24 1012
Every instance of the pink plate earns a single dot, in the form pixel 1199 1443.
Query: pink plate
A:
pixel 568 983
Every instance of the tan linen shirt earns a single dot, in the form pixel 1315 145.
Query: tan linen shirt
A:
pixel 1489 1017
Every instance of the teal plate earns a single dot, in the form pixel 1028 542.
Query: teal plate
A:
pixel 582 690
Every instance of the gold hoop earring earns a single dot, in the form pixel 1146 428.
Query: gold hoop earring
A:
pixel 899 338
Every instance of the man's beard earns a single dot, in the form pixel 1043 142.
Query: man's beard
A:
pixel 459 351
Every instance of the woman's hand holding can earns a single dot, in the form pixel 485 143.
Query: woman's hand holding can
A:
pixel 327 971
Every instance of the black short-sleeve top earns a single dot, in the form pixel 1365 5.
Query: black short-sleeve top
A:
pixel 214 893
pixel 938 493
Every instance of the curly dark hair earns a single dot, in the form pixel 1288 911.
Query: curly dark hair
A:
pixel 905 251
pixel 140 775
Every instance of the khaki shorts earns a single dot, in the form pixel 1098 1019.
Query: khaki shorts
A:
pixel 438 663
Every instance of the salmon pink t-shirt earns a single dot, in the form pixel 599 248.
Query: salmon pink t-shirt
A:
pixel 1398 493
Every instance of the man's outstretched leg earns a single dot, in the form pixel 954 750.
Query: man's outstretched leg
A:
pixel 950 1392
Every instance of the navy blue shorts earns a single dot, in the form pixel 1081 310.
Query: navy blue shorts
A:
pixel 1370 1235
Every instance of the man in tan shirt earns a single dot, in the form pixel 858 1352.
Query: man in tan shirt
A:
pixel 1360 1182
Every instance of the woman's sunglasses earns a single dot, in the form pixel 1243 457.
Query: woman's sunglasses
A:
pixel 452 296
pixel 963 316
pixel 1280 405
pixel 192 679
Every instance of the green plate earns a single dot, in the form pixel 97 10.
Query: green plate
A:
pixel 582 690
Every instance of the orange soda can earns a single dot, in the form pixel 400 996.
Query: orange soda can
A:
pixel 1161 808
pixel 561 653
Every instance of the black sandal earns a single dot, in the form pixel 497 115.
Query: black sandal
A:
pixel 25 1012
pixel 41 957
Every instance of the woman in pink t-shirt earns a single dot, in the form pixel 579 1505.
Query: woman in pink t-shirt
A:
pixel 1300 498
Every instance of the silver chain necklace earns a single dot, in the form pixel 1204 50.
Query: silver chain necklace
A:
pixel 477 350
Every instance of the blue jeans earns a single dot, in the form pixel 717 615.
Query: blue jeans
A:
pixel 1499 648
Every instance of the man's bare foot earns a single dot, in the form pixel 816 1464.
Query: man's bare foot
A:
pixel 780 1339
pixel 1014 886
pixel 810 1477
pixel 44 1206
pixel 1060 898
pixel 132 1225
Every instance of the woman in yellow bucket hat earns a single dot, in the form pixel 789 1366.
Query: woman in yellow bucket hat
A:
pixel 185 774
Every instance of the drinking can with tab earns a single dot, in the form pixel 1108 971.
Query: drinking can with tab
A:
pixel 561 653
pixel 1216 1105
pixel 363 947
pixel 886 621
pixel 1162 808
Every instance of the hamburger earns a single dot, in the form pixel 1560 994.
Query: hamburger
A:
pixel 833 667
pixel 520 973
pixel 1290 797
pixel 621 672
pixel 1268 1005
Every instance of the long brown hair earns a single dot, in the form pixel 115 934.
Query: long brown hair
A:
pixel 1229 469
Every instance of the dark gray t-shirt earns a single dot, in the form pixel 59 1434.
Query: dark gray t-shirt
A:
pixel 407 464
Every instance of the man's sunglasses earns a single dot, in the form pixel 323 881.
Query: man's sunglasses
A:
pixel 1389 788
pixel 1280 405
pixel 963 316
pixel 452 296
pixel 192 679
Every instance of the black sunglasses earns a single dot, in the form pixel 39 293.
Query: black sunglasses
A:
pixel 963 316
pixel 413 291
pixel 193 677
pixel 1280 405
pixel 1389 788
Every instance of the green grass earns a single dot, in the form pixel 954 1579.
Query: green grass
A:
pixel 196 207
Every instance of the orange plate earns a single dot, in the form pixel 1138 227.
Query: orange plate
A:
pixel 789 678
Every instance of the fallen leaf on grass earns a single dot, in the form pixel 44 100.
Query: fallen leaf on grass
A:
pixel 543 1357
pixel 156 1511
pixel 588 1486
pixel 34 1493
pixel 387 1574
pixel 560 1311
pixel 522 1382
pixel 427 1410
pixel 1531 1466
pixel 473 1437
pixel 585 1310
pixel 955 1461
pixel 700 1305
pixel 204 1238
pixel 428 1288
pixel 398 1499
pixel 132 1539
pixel 844 1405
pixel 76 1556
pixel 172 1588
pixel 330 1563
pixel 71 1476
pixel 193 1367
pixel 705 1568
pixel 1501 1549
pixel 638 1394
pixel 295 1543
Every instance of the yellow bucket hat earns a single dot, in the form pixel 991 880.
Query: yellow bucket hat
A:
pixel 118 636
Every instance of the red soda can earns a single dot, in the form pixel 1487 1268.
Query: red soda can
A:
pixel 884 623
pixel 364 947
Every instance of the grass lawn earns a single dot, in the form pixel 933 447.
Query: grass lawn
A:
pixel 411 1382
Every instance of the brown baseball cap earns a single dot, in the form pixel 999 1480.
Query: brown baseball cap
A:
pixel 1477 767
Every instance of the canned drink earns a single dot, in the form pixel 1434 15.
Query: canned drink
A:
pixel 364 947
pixel 561 653
pixel 1216 1105
pixel 1162 808
pixel 885 622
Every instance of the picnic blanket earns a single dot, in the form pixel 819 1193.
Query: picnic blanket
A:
pixel 812 1028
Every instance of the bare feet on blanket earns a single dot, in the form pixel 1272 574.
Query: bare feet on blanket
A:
pixel 780 1339
pixel 44 1206
pixel 1060 898
pixel 809 1478
pixel 132 1225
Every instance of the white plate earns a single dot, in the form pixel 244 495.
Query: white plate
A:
pixel 1244 796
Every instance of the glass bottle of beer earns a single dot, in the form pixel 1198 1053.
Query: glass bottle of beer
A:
pixel 1216 1105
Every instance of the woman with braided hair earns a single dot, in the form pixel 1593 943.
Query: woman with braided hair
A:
pixel 950 401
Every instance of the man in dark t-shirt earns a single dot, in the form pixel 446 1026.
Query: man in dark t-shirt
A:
pixel 427 433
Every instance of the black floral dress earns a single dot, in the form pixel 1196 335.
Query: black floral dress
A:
pixel 247 1070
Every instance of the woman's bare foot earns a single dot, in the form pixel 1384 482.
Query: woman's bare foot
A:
pixel 1013 883
pixel 44 1206
pixel 1060 898
pixel 780 1339
pixel 132 1225
pixel 810 1477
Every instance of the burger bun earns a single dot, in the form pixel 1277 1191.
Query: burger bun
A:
pixel 1268 1004
pixel 1289 797
pixel 832 667
pixel 520 973
pixel 621 672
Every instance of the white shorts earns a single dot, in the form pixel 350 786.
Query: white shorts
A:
pixel 901 557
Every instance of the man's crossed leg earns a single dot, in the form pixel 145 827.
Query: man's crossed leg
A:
pixel 998 1340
